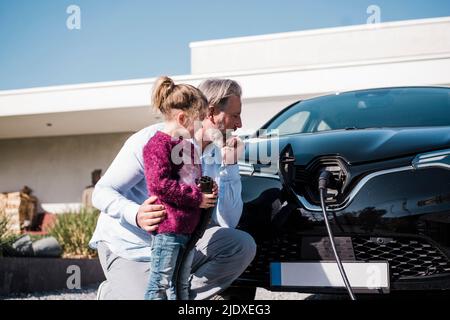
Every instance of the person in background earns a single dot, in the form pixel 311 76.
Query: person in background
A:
pixel 86 198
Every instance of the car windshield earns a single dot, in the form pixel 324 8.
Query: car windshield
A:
pixel 378 108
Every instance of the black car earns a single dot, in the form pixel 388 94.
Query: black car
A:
pixel 388 151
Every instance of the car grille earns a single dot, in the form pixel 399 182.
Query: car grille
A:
pixel 279 250
pixel 407 257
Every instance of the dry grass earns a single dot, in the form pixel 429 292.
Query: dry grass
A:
pixel 73 230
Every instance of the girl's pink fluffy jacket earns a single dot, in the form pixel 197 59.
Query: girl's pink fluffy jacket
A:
pixel 174 185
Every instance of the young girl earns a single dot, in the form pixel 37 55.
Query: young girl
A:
pixel 172 167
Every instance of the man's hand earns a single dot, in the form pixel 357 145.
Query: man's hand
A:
pixel 232 151
pixel 150 215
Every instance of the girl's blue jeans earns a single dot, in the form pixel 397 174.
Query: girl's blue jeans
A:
pixel 166 255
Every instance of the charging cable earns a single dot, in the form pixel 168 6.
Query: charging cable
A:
pixel 324 180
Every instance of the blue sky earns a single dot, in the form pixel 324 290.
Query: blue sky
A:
pixel 130 39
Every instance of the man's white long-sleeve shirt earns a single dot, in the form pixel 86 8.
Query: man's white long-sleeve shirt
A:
pixel 122 190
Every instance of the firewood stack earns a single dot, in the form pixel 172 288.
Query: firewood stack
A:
pixel 20 209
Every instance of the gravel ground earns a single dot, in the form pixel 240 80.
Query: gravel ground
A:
pixel 261 294
pixel 90 294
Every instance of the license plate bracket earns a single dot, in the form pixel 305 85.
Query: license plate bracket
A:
pixel 364 277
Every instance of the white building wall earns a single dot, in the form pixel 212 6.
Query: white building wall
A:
pixel 56 168
pixel 404 39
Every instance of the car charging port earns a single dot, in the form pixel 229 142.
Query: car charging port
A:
pixel 325 179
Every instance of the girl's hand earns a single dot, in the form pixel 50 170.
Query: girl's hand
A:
pixel 209 200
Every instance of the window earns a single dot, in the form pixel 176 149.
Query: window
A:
pixel 293 124
pixel 323 126
pixel 376 108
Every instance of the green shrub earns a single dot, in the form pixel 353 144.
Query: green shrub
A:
pixel 3 231
pixel 73 230
pixel 3 225
pixel 6 236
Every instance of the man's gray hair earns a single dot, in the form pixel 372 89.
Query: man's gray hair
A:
pixel 217 91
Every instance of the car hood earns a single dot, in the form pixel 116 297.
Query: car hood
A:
pixel 367 145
